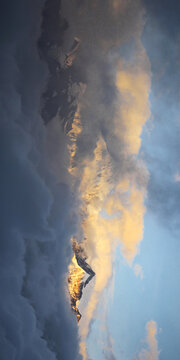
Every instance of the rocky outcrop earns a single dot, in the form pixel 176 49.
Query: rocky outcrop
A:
pixel 77 270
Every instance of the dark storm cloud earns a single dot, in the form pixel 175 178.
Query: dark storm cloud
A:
pixel 36 214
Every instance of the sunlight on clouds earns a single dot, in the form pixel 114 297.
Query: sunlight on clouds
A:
pixel 112 207
pixel 133 84
pixel 123 223
pixel 152 352
pixel 127 227
pixel 122 200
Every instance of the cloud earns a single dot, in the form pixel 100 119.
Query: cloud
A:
pixel 163 188
pixel 120 196
pixel 110 91
pixel 167 20
pixel 108 350
pixel 152 352
pixel 36 207
pixel 161 148
pixel 177 177
pixel 108 172
pixel 138 271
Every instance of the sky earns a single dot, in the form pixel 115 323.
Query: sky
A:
pixel 89 138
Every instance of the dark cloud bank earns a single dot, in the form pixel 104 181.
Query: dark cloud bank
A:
pixel 36 210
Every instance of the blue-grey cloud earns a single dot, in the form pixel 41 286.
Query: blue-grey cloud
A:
pixel 36 210
pixel 165 14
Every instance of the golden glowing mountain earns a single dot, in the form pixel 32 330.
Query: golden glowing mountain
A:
pixel 77 270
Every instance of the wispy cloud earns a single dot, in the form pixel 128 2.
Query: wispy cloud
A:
pixel 177 177
pixel 150 352
pixel 138 271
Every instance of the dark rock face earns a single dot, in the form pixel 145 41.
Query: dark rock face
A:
pixel 76 276
pixel 86 267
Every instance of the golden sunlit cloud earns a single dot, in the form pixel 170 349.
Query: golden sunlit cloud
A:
pixel 112 209
pixel 152 352
pixel 112 191
pixel 133 85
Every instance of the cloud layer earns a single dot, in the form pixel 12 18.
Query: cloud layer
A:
pixel 108 173
pixel 36 207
